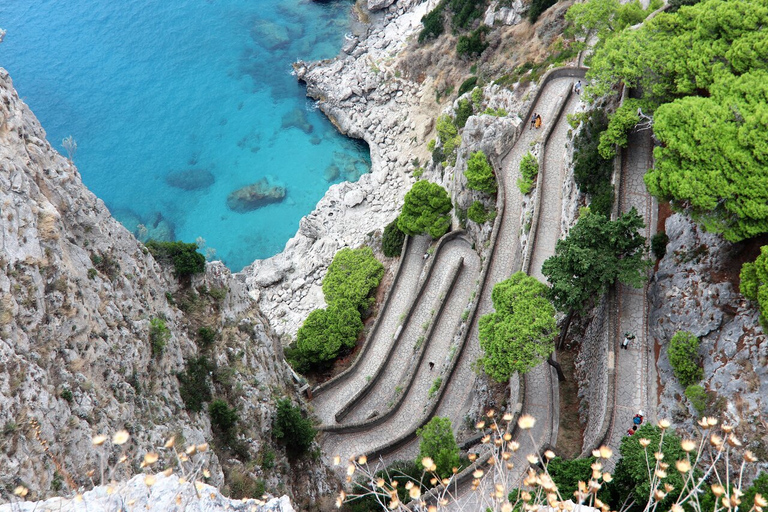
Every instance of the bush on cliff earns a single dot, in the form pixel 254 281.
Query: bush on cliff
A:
pixel 529 169
pixel 684 357
pixel 392 240
pixel 426 210
pixel 478 213
pixel 480 174
pixel 520 334
pixel 438 443
pixel 591 171
pixel 352 276
pixel 754 283
pixel 223 419
pixel 184 257
pixel 292 429
pixel 194 386
pixel 324 334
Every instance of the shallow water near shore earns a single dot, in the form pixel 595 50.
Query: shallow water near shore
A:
pixel 176 104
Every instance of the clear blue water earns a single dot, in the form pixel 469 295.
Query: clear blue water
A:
pixel 148 88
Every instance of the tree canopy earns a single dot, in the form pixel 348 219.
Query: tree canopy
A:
pixel 184 257
pixel 683 353
pixel 426 210
pixel 703 71
pixel 480 174
pixel 324 333
pixel 754 282
pixel 438 443
pixel 520 334
pixel 596 253
pixel 352 276
pixel 292 428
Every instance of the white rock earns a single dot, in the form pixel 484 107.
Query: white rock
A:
pixel 353 198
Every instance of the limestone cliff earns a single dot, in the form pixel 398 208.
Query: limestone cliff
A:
pixel 77 295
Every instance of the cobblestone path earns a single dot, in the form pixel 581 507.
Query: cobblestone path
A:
pixel 329 401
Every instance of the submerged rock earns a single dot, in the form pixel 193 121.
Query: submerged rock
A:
pixel 297 118
pixel 270 35
pixel 190 179
pixel 331 173
pixel 255 196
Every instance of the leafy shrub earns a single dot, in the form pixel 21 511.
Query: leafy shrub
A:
pixel 465 12
pixel 468 84
pixel 567 473
pixel 433 23
pixel 223 418
pixel 477 97
pixel 184 257
pixel 477 212
pixel 323 335
pixel 401 471
pixel 66 394
pixel 426 210
pixel 538 7
pixel 206 337
pixel 659 243
pixel 622 121
pixel 759 485
pixel 392 240
pixel 472 43
pixel 591 171
pixel 480 175
pixel 105 264
pixel 438 443
pixel 352 276
pixel 698 397
pixel 684 357
pixel 447 132
pixel 159 335
pixel 194 386
pixel 529 169
pixel 754 283
pixel 463 112
pixel 674 5
pixel 292 429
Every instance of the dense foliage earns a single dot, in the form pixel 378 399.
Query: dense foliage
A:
pixel 754 283
pixel 683 352
pixel 591 171
pixel 529 169
pixel 463 112
pixel 596 253
pixel 438 443
pixel 759 485
pixel 479 173
pixel 697 395
pixel 467 85
pixel 521 332
pixel 352 276
pixel 659 243
pixel 632 477
pixel 159 336
pixel 392 240
pixel 622 121
pixel 473 43
pixel 184 257
pixel 402 472
pixel 704 73
pixel 463 13
pixel 538 7
pixel 604 18
pixel 426 210
pixel 324 334
pixel 223 418
pixel 567 473
pixel 478 213
pixel 448 133
pixel 433 24
pixel 194 385
pixel 292 428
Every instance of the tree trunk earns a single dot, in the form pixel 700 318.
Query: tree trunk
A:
pixel 564 331
pixel 558 369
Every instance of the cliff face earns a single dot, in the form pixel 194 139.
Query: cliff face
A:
pixel 77 295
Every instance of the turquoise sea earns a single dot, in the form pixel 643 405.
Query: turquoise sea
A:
pixel 174 104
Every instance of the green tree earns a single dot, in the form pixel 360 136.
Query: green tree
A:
pixel 754 283
pixel 392 240
pixel 759 485
pixel 698 397
pixel 529 169
pixel 223 418
pixel 478 213
pixel 184 257
pixel 426 210
pixel 567 473
pixel 622 121
pixel 433 23
pixel 438 443
pixel 194 386
pixel 520 333
pixel 323 335
pixel 592 172
pixel 463 112
pixel 479 173
pixel 159 335
pixel 352 276
pixel 448 133
pixel 292 429
pixel 683 353
pixel 596 253
pixel 604 18
pixel 632 475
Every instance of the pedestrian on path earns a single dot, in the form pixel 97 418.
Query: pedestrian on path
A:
pixel 577 87
pixel 632 430
pixel 533 120
pixel 431 366
pixel 426 255
pixel 538 121
pixel 638 418
pixel 627 338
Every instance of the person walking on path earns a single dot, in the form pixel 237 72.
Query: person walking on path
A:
pixel 431 366
pixel 627 338
pixel 638 419
pixel 538 121
pixel 533 120
pixel 632 430
pixel 577 87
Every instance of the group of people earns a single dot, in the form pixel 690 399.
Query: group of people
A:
pixel 535 121
pixel 637 420
pixel 628 337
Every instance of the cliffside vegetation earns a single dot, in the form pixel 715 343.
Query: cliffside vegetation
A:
pixel 426 210
pixel 754 283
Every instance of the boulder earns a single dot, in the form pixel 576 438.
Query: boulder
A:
pixel 353 198
pixel 255 196
pixel 190 179
pixel 377 5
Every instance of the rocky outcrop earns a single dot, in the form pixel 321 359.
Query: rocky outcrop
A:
pixel 78 296
pixel 254 196
pixel 157 492
pixel 696 289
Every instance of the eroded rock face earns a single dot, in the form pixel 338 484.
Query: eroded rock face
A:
pixel 254 196
pixel 695 289
pixel 77 295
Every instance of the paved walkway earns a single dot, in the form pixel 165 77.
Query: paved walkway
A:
pixel 326 404
pixel 635 383
pixel 437 350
